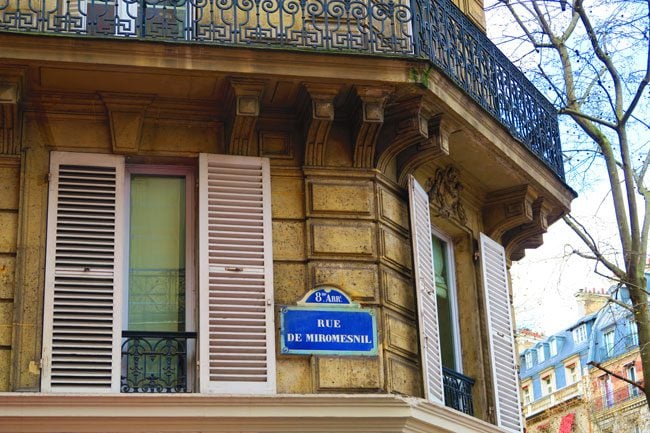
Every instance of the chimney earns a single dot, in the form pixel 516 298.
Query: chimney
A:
pixel 591 300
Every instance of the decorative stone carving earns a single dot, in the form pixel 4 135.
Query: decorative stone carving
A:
pixel 507 209
pixel 9 118
pixel 245 111
pixel 412 158
pixel 319 121
pixel 126 117
pixel 444 191
pixel 369 120
pixel 406 125
pixel 527 235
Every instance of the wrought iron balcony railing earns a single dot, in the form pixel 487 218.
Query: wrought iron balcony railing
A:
pixel 155 361
pixel 458 391
pixel 426 29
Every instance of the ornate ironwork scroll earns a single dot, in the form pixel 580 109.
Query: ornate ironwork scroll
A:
pixel 458 391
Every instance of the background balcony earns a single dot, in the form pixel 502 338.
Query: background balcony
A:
pixel 432 30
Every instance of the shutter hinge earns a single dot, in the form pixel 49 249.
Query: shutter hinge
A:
pixel 269 302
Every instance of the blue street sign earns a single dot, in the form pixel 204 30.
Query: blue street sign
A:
pixel 328 331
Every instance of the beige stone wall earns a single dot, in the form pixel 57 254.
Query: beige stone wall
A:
pixel 9 197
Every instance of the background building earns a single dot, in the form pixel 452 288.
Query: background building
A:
pixel 177 176
pixel 573 380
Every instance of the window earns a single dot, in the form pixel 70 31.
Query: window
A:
pixel 126 235
pixel 443 267
pixel 572 373
pixel 526 395
pixel 606 391
pixel 547 384
pixel 580 334
pixel 608 338
pixel 633 333
pixel 497 306
pixel 529 359
pixel 631 375
pixel 541 355
pixel 553 347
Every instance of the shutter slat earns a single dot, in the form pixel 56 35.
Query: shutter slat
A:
pixel 426 294
pixel 80 345
pixel 237 338
pixel 504 367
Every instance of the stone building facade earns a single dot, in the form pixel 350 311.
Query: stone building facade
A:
pixel 175 174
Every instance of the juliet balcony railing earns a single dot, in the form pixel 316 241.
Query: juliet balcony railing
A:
pixel 569 392
pixel 155 362
pixel 435 30
pixel 458 391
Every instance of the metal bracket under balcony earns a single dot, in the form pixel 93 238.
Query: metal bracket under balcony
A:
pixel 433 30
pixel 458 391
pixel 155 362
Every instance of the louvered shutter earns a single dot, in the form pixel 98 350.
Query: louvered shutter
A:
pixel 426 291
pixel 504 367
pixel 237 348
pixel 81 344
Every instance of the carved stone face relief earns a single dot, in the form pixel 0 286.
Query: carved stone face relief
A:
pixel 444 194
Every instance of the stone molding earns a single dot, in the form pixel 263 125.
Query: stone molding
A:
pixel 10 115
pixel 507 209
pixel 126 114
pixel 368 122
pixel 318 120
pixel 244 102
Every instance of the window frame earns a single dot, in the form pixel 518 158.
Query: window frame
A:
pixel 541 354
pixel 579 333
pixel 609 341
pixel 453 295
pixel 528 358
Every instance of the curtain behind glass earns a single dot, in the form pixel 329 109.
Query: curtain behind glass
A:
pixel 157 253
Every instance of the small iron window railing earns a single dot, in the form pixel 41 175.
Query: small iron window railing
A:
pixel 458 391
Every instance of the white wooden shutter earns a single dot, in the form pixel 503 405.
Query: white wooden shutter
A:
pixel 237 347
pixel 504 367
pixel 83 281
pixel 426 292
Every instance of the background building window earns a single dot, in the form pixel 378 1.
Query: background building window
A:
pixel 541 355
pixel 529 359
pixel 580 334
pixel 633 333
pixel 631 375
pixel 608 338
pixel 553 347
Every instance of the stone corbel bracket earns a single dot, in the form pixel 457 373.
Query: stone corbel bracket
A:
pixel 407 124
pixel 10 93
pixel 529 235
pixel 318 120
pixel 245 97
pixel 507 209
pixel 426 151
pixel 126 114
pixel 369 119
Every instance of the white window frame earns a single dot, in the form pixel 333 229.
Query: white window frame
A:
pixel 541 354
pixel 633 333
pixel 572 377
pixel 548 387
pixel 528 357
pixel 552 348
pixel 191 266
pixel 579 333
pixel 630 373
pixel 453 295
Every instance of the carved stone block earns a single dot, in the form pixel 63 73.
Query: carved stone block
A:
pixel 276 144
pixel 339 238
pixel 398 291
pixel 347 374
pixel 288 197
pixel 288 240
pixel 289 282
pixel 7 275
pixel 359 280
pixel 403 376
pixel 400 334
pixel 340 199
pixel 393 210
pixel 395 249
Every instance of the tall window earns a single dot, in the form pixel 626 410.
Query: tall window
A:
pixel 541 354
pixel 631 375
pixel 608 338
pixel 607 391
pixel 526 395
pixel 547 384
pixel 529 359
pixel 633 333
pixel 572 373
pixel 446 300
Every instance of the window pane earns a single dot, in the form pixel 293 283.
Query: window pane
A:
pixel 444 299
pixel 157 253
